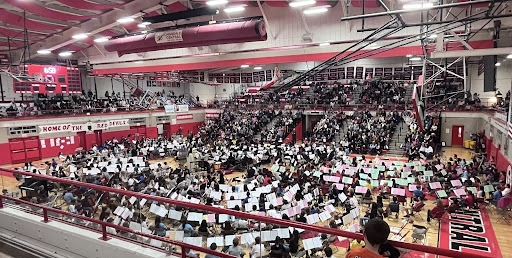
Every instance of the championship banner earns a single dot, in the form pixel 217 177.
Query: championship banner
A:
pixel 185 117
pixel 469 231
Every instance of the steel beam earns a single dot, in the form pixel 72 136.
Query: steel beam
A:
pixel 475 52
pixel 444 6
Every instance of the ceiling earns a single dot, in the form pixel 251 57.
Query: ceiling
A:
pixel 51 24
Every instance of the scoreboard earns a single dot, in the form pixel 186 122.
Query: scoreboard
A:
pixel 48 79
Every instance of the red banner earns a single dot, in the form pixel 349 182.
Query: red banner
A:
pixel 185 117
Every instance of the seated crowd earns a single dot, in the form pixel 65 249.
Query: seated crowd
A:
pixel 422 144
pixel 381 92
pixel 302 184
pixel 89 103
pixel 370 134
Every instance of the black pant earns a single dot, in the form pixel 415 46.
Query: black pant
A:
pixel 429 215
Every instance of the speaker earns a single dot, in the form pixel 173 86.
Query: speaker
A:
pixel 489 73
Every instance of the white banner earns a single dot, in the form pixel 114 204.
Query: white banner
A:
pixel 61 128
pixel 169 36
pixel 170 108
pixel 181 108
pixel 108 124
pixel 43 129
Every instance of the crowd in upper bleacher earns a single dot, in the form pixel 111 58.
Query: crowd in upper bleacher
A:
pixel 89 103
pixel 383 92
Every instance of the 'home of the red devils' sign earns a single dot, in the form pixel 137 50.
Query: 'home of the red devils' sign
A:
pixel 469 231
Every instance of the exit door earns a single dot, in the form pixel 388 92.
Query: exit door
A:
pixel 457 136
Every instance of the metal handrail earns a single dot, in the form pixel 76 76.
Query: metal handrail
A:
pixel 104 226
pixel 287 223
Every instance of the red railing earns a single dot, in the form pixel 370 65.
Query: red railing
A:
pixel 287 223
pixel 104 226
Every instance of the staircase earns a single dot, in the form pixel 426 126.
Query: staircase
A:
pixel 268 126
pixel 343 130
pixel 397 139
pixel 356 95
pixel 408 94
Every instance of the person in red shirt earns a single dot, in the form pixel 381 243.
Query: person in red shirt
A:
pixel 376 232
pixel 437 212
pixel 267 181
pixel 470 199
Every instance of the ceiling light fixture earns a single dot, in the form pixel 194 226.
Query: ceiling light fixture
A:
pixel 244 66
pixel 138 62
pixel 44 51
pixel 302 3
pixel 65 53
pixel 433 36
pixel 498 64
pixel 233 9
pixel 324 44
pixel 509 56
pixel 418 6
pixel 316 10
pixel 102 39
pixel 216 2
pixel 143 24
pixel 409 55
pixel 415 58
pixel 80 36
pixel 126 20
pixel 258 68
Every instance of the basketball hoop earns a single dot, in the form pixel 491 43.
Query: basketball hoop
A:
pixel 408 118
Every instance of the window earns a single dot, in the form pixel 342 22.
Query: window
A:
pixel 22 130
pixel 163 119
pixel 138 120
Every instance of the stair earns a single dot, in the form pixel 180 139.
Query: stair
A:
pixel 343 131
pixel 268 126
pixel 397 139
pixel 356 95
pixel 408 94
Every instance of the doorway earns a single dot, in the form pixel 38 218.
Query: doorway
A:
pixel 457 136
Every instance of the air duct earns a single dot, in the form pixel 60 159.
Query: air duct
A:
pixel 215 34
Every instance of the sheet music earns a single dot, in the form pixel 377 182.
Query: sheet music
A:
pixel 312 243
pixel 217 240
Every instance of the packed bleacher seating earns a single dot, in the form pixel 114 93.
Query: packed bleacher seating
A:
pixel 88 103
pixel 327 128
pixel 370 134
pixel 383 92
pixel 423 143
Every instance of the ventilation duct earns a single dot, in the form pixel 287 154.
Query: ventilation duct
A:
pixel 215 34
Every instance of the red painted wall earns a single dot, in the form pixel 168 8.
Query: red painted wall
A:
pixel 5 158
pixel 66 145
pixel 298 131
pixel 152 132
pixel 500 159
pixel 502 162
pixel 90 140
pixel 187 127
